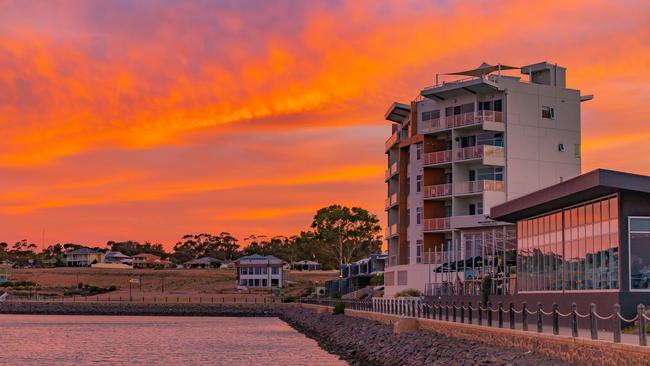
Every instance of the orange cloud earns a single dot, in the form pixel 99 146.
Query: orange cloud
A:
pixel 153 120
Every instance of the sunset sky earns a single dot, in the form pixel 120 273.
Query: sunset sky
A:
pixel 147 120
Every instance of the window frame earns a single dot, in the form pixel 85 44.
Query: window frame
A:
pixel 629 251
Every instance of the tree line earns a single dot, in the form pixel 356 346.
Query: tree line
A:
pixel 337 235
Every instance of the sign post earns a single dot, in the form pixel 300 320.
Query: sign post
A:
pixel 132 281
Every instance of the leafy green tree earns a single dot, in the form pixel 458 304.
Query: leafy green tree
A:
pixel 348 233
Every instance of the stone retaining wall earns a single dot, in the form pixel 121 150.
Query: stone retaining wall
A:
pixel 575 350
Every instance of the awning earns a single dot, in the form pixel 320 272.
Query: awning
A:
pixel 397 112
pixel 484 69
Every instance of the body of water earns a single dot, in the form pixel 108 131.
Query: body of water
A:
pixel 140 340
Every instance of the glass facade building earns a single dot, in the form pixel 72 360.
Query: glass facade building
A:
pixel 571 249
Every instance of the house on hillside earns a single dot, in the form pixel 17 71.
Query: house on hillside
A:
pixel 261 271
pixel 204 262
pixel 147 260
pixel 306 266
pixel 115 257
pixel 83 257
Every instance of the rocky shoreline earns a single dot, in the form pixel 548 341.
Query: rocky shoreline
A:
pixel 365 342
pixel 358 341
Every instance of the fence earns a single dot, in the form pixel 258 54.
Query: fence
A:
pixel 148 299
pixel 484 315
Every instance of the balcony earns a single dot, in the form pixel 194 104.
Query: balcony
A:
pixel 436 124
pixel 438 190
pixel 437 157
pixel 392 140
pixel 391 201
pixel 440 223
pixel 478 186
pixel 477 152
pixel 392 171
pixel 391 231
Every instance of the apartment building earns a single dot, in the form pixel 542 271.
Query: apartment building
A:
pixel 493 134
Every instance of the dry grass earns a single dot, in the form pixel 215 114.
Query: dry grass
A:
pixel 184 282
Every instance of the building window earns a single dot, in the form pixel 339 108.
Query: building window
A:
pixel 492 173
pixel 264 269
pixel 548 112
pixel 491 105
pixel 639 253
pixel 570 250
pixel 418 215
pixel 472 209
pixel 418 184
pixel 275 270
pixel 429 115
pixel 244 270
pixel 418 151
pixel 264 283
pixel 418 251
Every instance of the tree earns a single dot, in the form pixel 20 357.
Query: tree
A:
pixel 348 233
pixel 222 246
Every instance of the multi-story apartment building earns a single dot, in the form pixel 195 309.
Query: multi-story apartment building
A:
pixel 460 148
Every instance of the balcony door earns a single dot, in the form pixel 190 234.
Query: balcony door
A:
pixel 472 175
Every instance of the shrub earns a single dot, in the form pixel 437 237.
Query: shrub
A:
pixel 336 295
pixel 112 288
pixel 408 293
pixel 378 280
pixel 289 299
pixel 339 309
pixel 215 263
pixel 308 292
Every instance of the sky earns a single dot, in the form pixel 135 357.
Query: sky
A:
pixel 148 120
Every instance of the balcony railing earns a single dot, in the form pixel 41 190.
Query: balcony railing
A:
pixel 391 171
pixel 441 223
pixel 476 152
pixel 391 231
pixel 479 186
pixel 438 190
pixel 489 116
pixel 461 120
pixel 435 124
pixel 392 140
pixel 391 201
pixel 470 152
pixel 437 157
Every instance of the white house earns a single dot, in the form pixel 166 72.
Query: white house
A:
pixel 261 271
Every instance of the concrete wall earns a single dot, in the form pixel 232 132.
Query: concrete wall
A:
pixel 533 158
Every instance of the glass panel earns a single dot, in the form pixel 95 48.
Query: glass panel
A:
pixel 640 260
pixel 605 242
pixel 598 248
pixel 639 224
pixel 613 229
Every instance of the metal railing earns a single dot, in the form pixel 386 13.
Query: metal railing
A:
pixel 479 186
pixel 484 314
pixel 440 223
pixel 392 140
pixel 437 157
pixel 438 190
pixel 140 298
pixel 391 201
pixel 435 124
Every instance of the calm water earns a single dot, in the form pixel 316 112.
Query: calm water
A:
pixel 122 340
